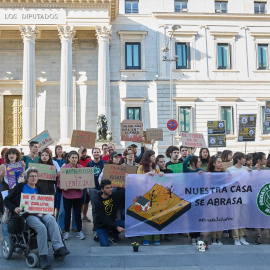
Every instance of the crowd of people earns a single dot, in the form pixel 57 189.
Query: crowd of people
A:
pixel 108 213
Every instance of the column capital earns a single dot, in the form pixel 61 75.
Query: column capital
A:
pixel 103 33
pixel 29 32
pixel 66 32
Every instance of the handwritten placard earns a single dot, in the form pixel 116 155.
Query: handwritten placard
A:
pixel 77 178
pixel 37 203
pixel 117 173
pixel 87 139
pixel 247 127
pixel 131 130
pixel 15 172
pixel 154 134
pixel 193 139
pixel 145 138
pixel 44 140
pixel 45 172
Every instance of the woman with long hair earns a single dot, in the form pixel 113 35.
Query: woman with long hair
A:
pixel 12 155
pixel 48 186
pixel 72 198
pixel 148 166
pixel 59 155
pixel 215 166
pixel 204 156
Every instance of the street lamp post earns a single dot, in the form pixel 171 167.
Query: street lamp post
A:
pixel 171 60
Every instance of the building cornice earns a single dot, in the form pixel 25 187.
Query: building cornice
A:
pixel 228 99
pixel 214 16
pixel 133 99
pixel 189 99
pixel 113 5
pixel 223 33
pixel 121 33
pixel 262 98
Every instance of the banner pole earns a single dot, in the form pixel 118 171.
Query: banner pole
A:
pixel 245 148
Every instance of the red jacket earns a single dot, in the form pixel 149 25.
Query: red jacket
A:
pixel 84 162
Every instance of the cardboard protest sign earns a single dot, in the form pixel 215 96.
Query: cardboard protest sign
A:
pixel 216 131
pixel 86 139
pixel 44 140
pixel 266 120
pixel 15 172
pixel 193 140
pixel 131 130
pixel 77 178
pixel 145 138
pixel 154 134
pixel 117 173
pixel 45 172
pixel 247 127
pixel 37 203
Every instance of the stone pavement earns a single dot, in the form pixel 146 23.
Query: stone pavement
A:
pixel 178 254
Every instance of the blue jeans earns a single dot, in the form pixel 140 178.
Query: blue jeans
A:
pixel 103 233
pixel 61 217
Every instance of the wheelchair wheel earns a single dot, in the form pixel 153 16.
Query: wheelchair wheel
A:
pixel 7 248
pixel 32 260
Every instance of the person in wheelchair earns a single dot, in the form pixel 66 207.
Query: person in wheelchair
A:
pixel 39 223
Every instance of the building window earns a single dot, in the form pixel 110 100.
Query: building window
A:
pixel 180 5
pixel 265 129
pixel 131 6
pixel 183 53
pixel 133 113
pixel 262 56
pixel 224 56
pixel 220 7
pixel 227 116
pixel 133 55
pixel 259 7
pixel 185 119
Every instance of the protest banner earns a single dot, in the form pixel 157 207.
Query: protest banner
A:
pixel 154 134
pixel 44 140
pixel 15 172
pixel 37 203
pixel 77 178
pixel 247 127
pixel 117 173
pixel 178 203
pixel 193 140
pixel 266 119
pixel 86 139
pixel 216 133
pixel 131 130
pixel 45 172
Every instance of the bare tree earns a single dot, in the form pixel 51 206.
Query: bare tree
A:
pixel 152 197
pixel 170 190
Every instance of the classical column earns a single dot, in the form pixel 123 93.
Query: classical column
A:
pixel 104 34
pixel 28 33
pixel 66 33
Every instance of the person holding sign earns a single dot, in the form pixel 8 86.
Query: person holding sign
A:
pixel 72 198
pixel 47 185
pixel 149 167
pixel 42 224
pixel 174 164
pixel 33 155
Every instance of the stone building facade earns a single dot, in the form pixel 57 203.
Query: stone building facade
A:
pixel 62 63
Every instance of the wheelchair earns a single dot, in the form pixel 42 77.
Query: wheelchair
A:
pixel 22 240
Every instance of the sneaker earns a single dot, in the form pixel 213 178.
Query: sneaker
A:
pixel 80 235
pixel 114 241
pixel 146 242
pixel 243 241
pixel 214 243
pixel 66 235
pixel 157 243
pixel 96 237
pixel 61 253
pixel 237 242
pixel 258 240
pixel 86 219
pixel 44 263
pixel 193 241
pixel 219 243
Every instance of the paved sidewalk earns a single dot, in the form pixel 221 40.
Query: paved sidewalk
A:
pixel 178 254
